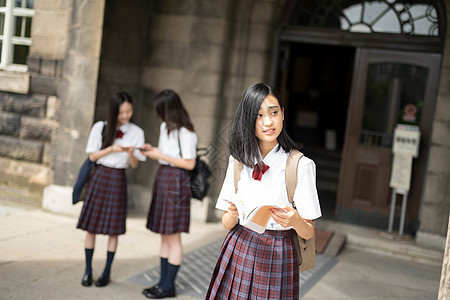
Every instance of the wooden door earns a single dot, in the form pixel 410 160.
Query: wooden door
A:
pixel 384 82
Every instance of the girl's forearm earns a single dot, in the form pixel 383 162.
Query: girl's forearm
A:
pixel 187 164
pixel 304 228
pixel 94 156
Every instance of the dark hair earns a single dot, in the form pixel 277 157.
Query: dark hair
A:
pixel 116 100
pixel 170 109
pixel 243 143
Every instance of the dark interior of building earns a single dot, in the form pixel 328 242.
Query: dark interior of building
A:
pixel 317 93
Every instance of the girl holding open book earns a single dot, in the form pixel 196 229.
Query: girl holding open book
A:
pixel 253 265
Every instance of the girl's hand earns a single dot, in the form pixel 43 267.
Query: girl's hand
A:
pixel 232 210
pixel 146 147
pixel 153 153
pixel 286 219
pixel 130 150
pixel 230 217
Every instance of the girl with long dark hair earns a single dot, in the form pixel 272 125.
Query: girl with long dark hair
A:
pixel 169 212
pixel 113 146
pixel 264 265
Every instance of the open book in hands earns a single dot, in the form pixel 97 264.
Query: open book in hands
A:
pixel 255 218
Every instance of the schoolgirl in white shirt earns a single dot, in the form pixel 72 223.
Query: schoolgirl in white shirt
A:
pixel 113 146
pixel 169 213
pixel 253 265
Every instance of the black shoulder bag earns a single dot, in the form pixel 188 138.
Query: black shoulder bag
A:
pixel 83 178
pixel 198 177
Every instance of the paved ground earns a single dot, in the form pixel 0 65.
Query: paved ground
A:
pixel 41 257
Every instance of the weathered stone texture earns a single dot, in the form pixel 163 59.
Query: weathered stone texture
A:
pixel 439 161
pixel 205 58
pixel 43 85
pixel 9 124
pixel 23 104
pixel 435 189
pixel 172 28
pixel 156 78
pixel 208 30
pixel 21 149
pixel 169 55
pixel 15 82
pixel 209 8
pixel 444 288
pixel 53 4
pixel 39 129
pixel 441 133
pixel 48 67
pixel 34 64
pixel 52 107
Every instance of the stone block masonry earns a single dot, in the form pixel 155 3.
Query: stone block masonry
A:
pixel 26 126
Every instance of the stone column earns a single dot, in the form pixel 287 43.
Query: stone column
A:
pixel 436 199
pixel 444 289
pixel 77 93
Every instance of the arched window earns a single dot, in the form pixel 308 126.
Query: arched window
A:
pixel 380 16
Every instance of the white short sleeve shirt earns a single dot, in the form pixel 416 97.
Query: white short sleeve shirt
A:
pixel 168 143
pixel 133 136
pixel 272 187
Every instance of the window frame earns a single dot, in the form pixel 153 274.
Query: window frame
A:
pixel 9 40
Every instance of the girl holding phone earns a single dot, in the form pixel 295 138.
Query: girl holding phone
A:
pixel 113 146
pixel 169 212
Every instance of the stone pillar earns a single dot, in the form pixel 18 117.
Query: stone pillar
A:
pixel 444 289
pixel 77 90
pixel 436 199
pixel 77 93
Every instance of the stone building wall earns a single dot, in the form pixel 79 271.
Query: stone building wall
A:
pixel 209 52
pixel 29 105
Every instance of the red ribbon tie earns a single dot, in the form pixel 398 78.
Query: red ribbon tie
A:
pixel 258 173
pixel 119 134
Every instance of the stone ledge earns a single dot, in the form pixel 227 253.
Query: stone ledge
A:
pixel 16 82
pixel 32 175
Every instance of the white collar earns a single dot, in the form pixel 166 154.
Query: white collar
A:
pixel 272 156
pixel 124 127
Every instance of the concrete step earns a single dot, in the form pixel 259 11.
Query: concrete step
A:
pixel 368 239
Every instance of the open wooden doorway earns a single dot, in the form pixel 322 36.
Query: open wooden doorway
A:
pixel 314 80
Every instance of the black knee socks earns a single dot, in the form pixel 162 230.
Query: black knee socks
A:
pixel 164 263
pixel 88 254
pixel 109 260
pixel 169 281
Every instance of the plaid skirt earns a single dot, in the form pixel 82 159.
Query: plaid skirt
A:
pixel 105 202
pixel 256 266
pixel 171 202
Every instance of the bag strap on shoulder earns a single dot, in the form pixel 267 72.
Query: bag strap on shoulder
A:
pixel 238 166
pixel 291 174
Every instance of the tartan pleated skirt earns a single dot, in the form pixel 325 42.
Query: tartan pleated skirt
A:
pixel 105 203
pixel 256 266
pixel 171 202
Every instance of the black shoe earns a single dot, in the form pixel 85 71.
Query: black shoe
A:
pixel 151 289
pixel 87 280
pixel 102 281
pixel 159 293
